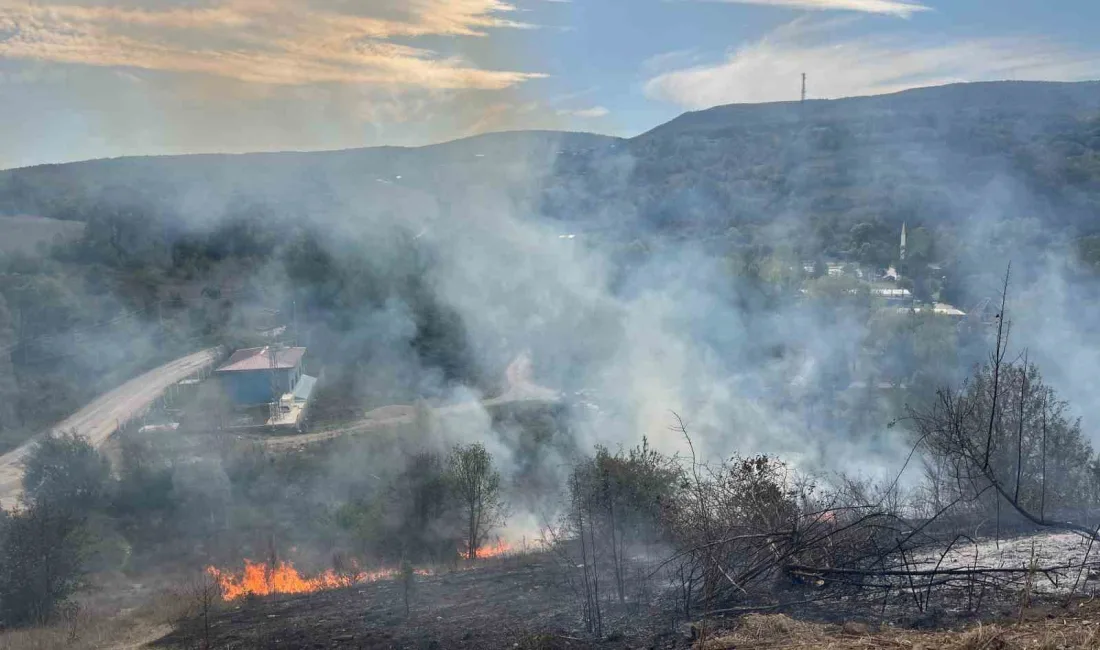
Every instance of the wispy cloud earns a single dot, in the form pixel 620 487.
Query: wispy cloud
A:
pixel 770 69
pixel 670 60
pixel 278 42
pixel 585 113
pixel 891 7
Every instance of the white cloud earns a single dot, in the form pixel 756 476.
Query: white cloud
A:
pixel 275 42
pixel 890 7
pixel 770 69
pixel 585 113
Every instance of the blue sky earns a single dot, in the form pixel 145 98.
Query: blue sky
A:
pixel 95 78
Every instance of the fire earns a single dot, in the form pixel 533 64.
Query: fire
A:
pixel 263 579
pixel 260 579
pixel 498 549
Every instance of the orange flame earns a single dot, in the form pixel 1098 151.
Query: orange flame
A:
pixel 498 549
pixel 260 579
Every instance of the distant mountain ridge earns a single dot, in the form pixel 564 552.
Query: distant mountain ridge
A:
pixel 925 155
pixel 1035 97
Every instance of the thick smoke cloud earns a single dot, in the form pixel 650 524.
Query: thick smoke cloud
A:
pixel 485 236
pixel 671 336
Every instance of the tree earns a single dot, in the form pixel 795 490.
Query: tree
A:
pixel 66 472
pixel 424 509
pixel 1005 437
pixel 41 562
pixel 617 501
pixel 476 484
pixel 9 390
pixel 919 246
pixel 42 559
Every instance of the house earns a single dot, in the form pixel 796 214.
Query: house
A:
pixel 892 294
pixel 268 387
pixel 938 309
pixel 255 376
pixel 944 309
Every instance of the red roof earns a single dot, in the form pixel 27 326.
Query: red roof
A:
pixel 260 359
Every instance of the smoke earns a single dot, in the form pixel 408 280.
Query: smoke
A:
pixel 418 276
pixel 668 336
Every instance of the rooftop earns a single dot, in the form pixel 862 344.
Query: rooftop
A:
pixel 939 309
pixel 260 359
pixel 891 292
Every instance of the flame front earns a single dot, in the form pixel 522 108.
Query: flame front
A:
pixel 260 579
pixel 263 579
pixel 498 549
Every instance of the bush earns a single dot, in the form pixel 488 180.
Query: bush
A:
pixel 41 563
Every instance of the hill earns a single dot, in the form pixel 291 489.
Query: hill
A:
pixel 933 155
pixel 26 234
pixel 194 187
pixel 190 245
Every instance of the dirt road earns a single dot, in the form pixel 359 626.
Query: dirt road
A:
pixel 99 419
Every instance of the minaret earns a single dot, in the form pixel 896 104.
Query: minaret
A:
pixel 902 241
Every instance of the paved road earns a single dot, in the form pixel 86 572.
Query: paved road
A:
pixel 99 419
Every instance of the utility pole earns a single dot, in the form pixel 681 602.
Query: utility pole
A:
pixel 273 407
pixel 803 87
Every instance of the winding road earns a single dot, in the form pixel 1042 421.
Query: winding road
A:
pixel 102 416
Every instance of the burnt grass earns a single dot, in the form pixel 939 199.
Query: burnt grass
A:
pixel 526 602
pixel 521 602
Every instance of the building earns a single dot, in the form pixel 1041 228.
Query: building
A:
pixel 944 309
pixel 938 309
pixel 892 294
pixel 255 376
pixel 268 386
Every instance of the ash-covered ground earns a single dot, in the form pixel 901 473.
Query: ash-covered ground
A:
pixel 1038 550
pixel 527 602
pixel 523 600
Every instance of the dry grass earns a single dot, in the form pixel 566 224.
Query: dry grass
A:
pixel 781 632
pixel 760 631
pixel 88 629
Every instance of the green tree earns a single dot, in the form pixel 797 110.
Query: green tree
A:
pixel 45 544
pixel 66 472
pixel 618 501
pixel 41 563
pixel 476 485
pixel 9 389
pixel 424 507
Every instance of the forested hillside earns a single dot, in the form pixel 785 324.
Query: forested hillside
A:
pixel 180 251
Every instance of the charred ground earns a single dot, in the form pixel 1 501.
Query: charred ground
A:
pixel 499 603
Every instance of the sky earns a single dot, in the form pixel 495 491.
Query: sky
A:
pixel 83 79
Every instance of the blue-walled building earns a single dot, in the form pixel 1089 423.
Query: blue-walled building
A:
pixel 256 376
